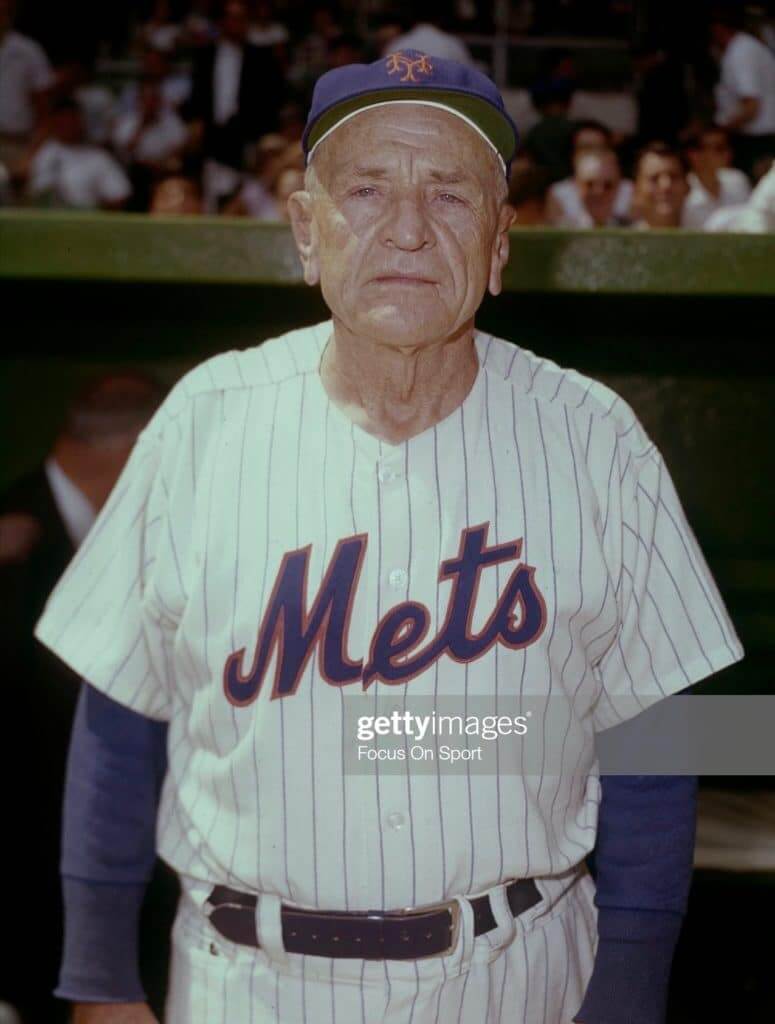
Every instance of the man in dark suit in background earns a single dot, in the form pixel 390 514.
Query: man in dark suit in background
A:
pixel 44 516
pixel 236 92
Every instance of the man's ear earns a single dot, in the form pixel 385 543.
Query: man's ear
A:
pixel 305 233
pixel 500 249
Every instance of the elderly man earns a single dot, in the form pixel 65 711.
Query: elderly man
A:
pixel 389 504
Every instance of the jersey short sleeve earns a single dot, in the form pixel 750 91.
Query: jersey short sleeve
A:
pixel 673 626
pixel 103 617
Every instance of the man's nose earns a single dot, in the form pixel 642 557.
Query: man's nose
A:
pixel 406 225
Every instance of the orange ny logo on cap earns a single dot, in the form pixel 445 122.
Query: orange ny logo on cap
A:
pixel 398 62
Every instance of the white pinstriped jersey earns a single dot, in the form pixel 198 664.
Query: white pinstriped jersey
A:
pixel 248 464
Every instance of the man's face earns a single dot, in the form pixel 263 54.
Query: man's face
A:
pixel 404 230
pixel 597 177
pixel 660 190
pixel 712 153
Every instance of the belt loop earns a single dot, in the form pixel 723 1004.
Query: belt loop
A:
pixel 269 926
pixel 466 939
pixel 501 911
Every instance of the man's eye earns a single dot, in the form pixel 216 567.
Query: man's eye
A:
pixel 366 190
pixel 448 197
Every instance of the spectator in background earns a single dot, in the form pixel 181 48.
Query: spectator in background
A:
pixel 26 78
pixel 75 78
pixel 259 195
pixel 161 31
pixel 197 27
pixel 387 26
pixel 550 141
pixel 67 171
pixel 528 191
pixel 346 48
pixel 289 180
pixel 590 134
pixel 310 56
pixel 150 140
pixel 713 182
pixel 597 177
pixel 661 186
pixel 265 31
pixel 155 67
pixel 745 95
pixel 291 121
pixel 565 206
pixel 237 90
pixel 44 517
pixel 428 33
pixel 176 195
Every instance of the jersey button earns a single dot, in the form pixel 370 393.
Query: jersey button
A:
pixel 386 475
pixel 397 578
pixel 396 820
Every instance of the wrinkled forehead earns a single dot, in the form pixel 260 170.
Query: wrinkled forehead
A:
pixel 397 132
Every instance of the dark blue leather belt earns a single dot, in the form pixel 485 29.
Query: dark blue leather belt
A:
pixel 411 934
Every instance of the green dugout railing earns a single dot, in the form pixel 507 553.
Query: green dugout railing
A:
pixel 208 250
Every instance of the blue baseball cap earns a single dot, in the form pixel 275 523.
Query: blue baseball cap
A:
pixel 415 77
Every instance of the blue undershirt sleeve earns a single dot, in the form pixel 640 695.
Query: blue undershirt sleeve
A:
pixel 116 765
pixel 643 865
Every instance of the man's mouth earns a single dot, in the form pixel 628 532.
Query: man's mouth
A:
pixel 407 279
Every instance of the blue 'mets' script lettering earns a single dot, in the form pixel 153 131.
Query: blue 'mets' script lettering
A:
pixel 395 651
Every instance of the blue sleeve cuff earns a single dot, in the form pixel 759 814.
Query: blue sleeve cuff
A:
pixel 115 768
pixel 629 982
pixel 100 963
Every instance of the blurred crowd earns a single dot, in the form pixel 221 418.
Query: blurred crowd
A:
pixel 210 115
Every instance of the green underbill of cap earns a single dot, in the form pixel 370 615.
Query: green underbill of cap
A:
pixel 483 114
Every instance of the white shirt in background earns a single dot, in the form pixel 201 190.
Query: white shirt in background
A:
pixel 75 509
pixel 84 177
pixel 568 211
pixel 175 90
pixel 259 201
pixel 747 70
pixel 227 72
pixel 162 37
pixel 757 215
pixel 98 108
pixel 271 35
pixel 24 70
pixel 431 40
pixel 159 140
pixel 700 204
